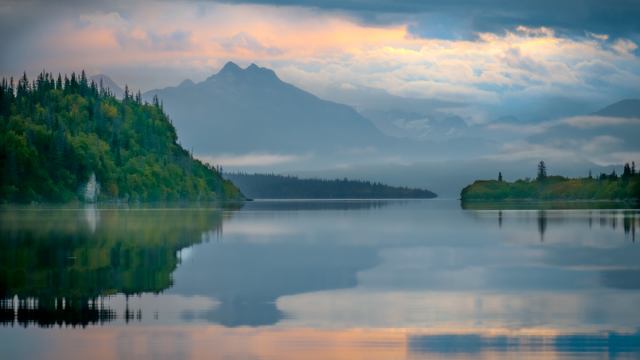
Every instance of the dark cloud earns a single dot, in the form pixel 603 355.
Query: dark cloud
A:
pixel 618 18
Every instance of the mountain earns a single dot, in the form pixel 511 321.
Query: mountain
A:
pixel 251 110
pixel 108 83
pixel 124 148
pixel 628 108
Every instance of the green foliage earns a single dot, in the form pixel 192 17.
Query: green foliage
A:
pixel 606 187
pixel 269 186
pixel 80 255
pixel 54 136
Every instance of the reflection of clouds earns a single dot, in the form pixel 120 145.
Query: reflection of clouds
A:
pixel 161 309
pixel 256 229
pixel 444 310
pixel 591 344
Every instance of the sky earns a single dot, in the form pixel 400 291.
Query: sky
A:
pixel 525 71
pixel 492 52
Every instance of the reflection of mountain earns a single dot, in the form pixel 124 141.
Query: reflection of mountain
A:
pixel 59 263
pixel 249 278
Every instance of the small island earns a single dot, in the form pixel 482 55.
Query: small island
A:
pixel 610 187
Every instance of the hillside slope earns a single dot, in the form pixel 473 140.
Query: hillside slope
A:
pixel 251 110
pixel 66 140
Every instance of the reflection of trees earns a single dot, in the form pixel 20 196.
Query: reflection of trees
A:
pixel 546 205
pixel 58 266
pixel 629 219
pixel 542 223
pixel 629 225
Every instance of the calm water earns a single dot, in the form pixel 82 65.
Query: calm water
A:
pixel 319 280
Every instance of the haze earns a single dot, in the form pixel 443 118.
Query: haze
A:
pixel 459 90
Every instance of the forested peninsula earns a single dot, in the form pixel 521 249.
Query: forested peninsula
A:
pixel 65 139
pixel 603 187
pixel 271 186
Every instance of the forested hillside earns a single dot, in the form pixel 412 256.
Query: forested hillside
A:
pixel 270 186
pixel 55 133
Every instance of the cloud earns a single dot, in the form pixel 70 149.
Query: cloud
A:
pixel 585 122
pixel 520 64
pixel 470 17
pixel 244 41
pixel 624 46
pixel 598 139
pixel 519 128
pixel 601 37
pixel 524 150
pixel 149 40
pixel 253 159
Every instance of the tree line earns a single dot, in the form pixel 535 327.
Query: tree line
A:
pixel 625 186
pixel 271 186
pixel 57 131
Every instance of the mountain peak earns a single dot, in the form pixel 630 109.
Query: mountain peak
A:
pixel 186 83
pixel 230 67
pixel 231 70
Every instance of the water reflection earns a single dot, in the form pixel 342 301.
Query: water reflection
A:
pixel 57 266
pixel 612 343
pixel 603 218
pixel 247 279
pixel 412 279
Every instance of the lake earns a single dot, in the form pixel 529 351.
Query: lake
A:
pixel 405 279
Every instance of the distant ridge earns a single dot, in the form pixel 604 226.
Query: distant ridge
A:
pixel 108 83
pixel 628 108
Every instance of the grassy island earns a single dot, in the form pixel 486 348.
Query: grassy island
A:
pixel 543 187
pixel 67 139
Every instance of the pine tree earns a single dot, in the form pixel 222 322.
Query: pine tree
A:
pixel 542 171
pixel 626 172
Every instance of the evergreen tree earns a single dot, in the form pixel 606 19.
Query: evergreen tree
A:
pixel 626 172
pixel 54 135
pixel 542 171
